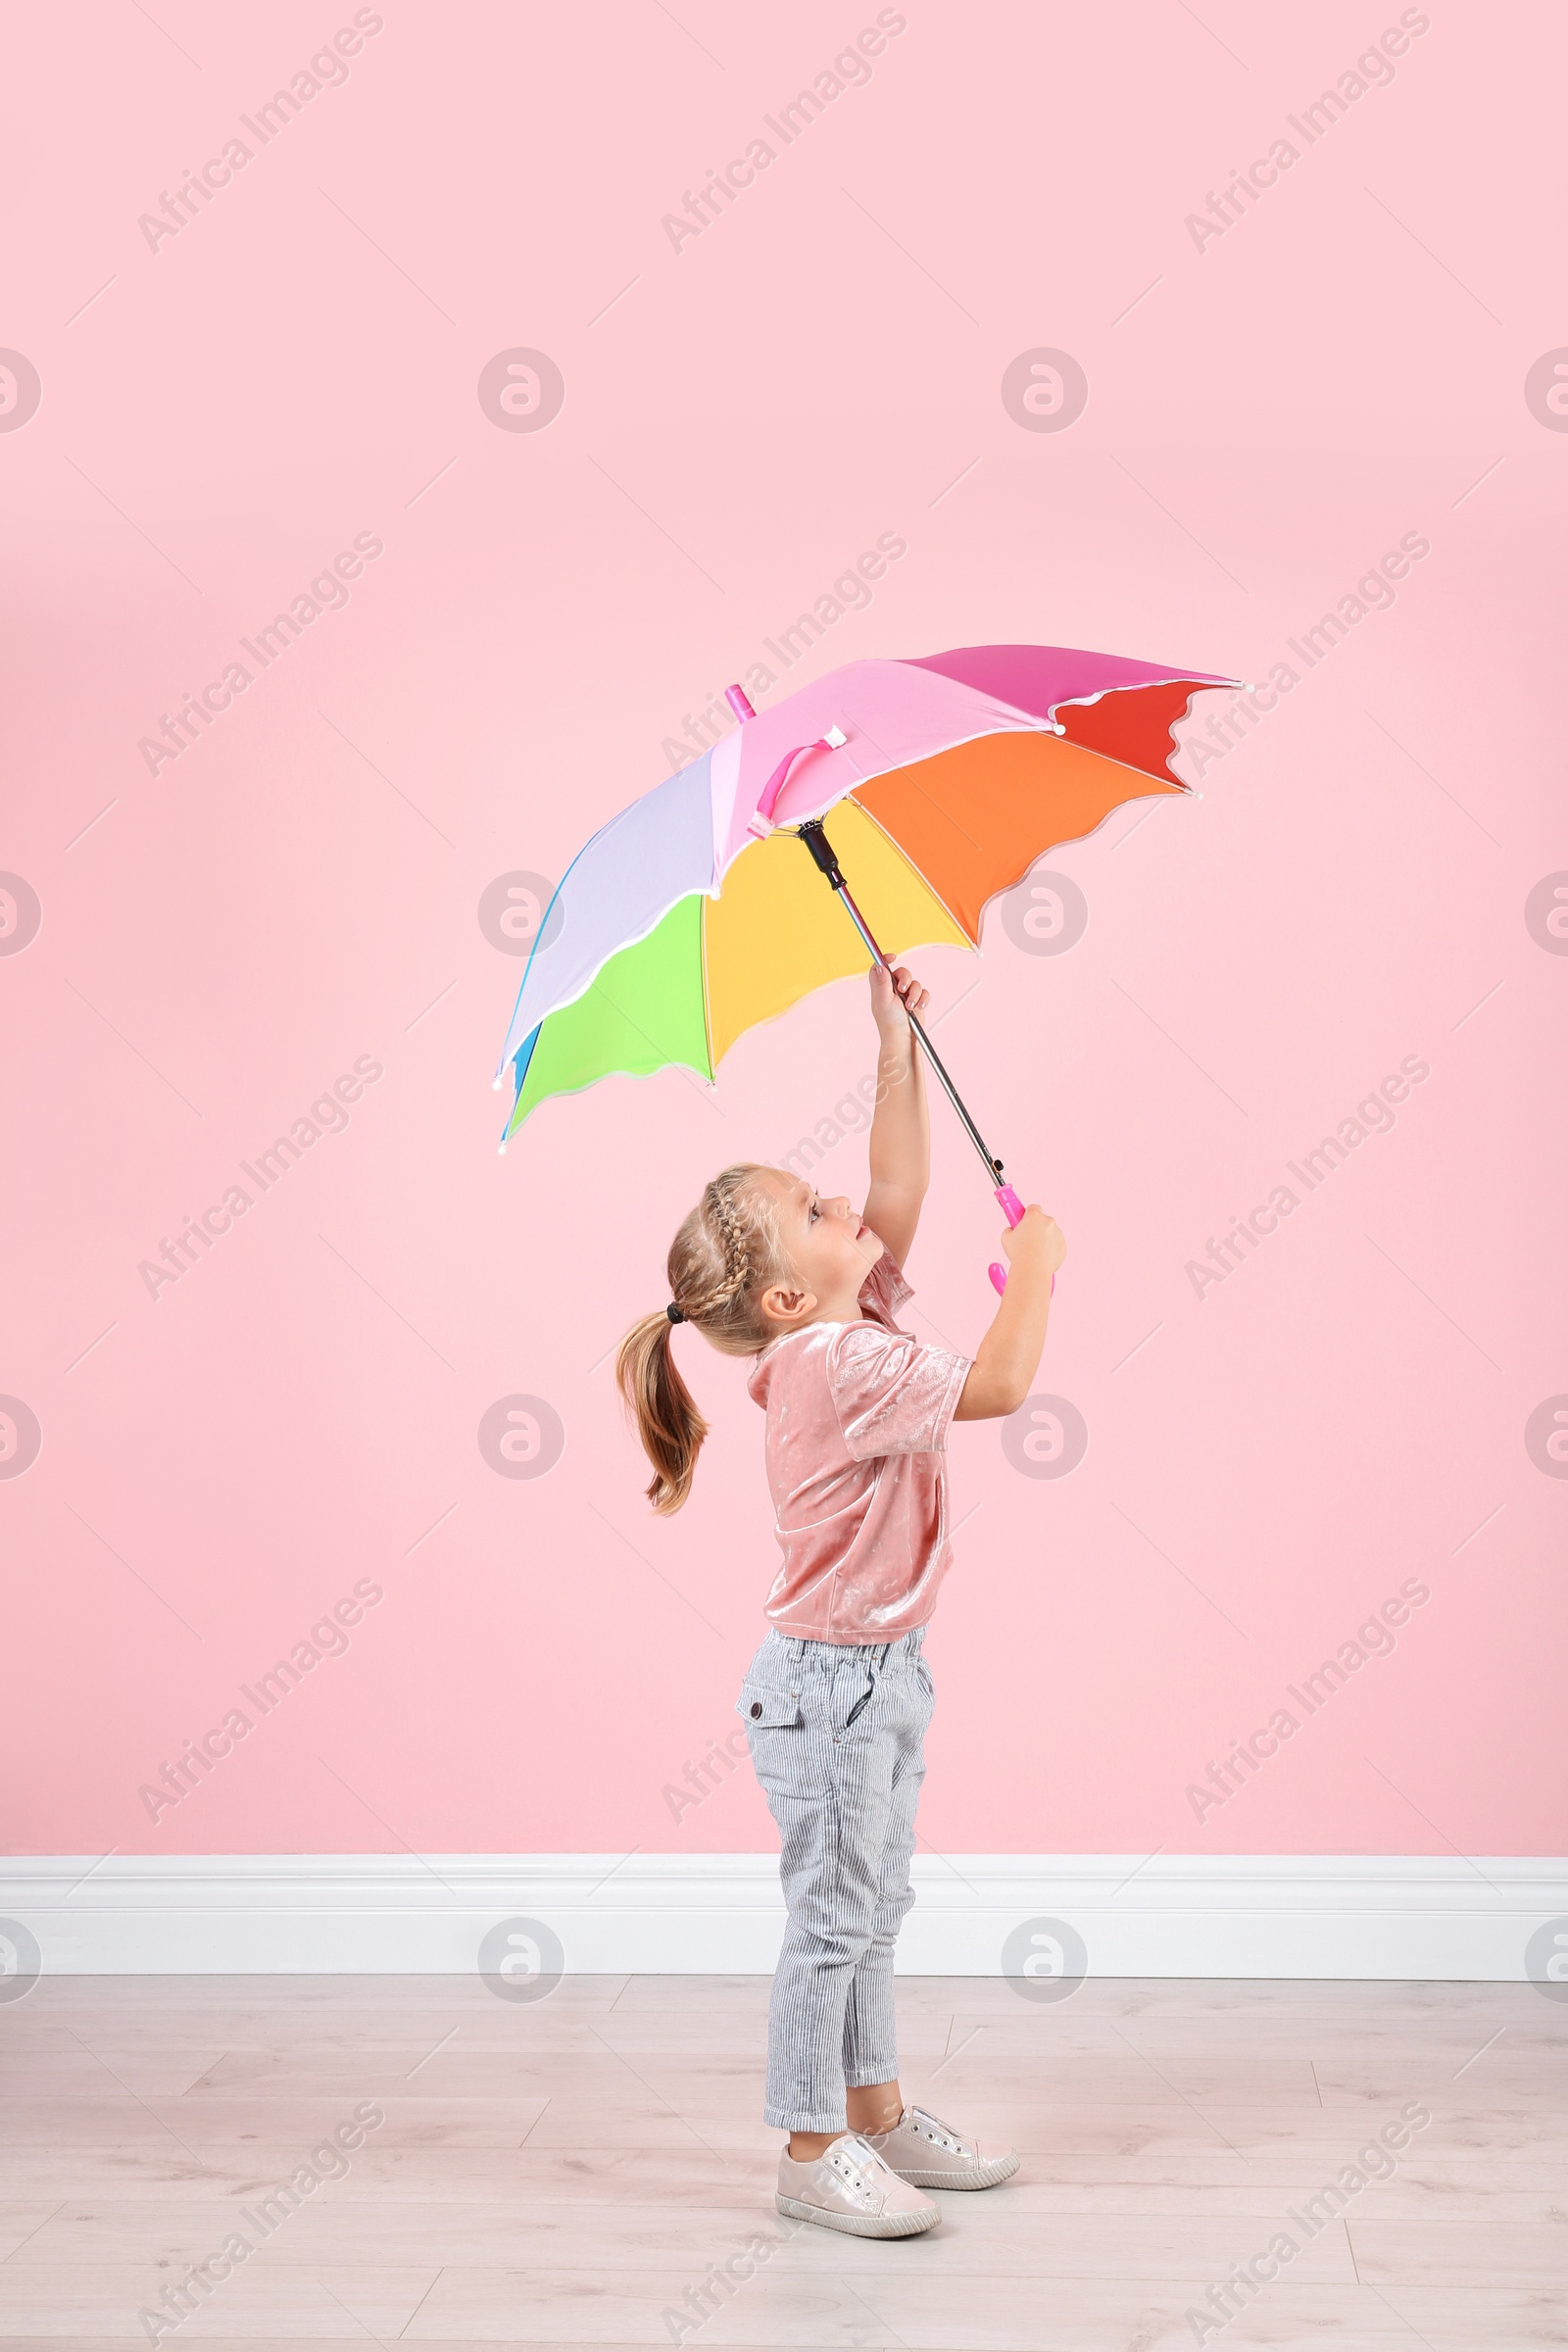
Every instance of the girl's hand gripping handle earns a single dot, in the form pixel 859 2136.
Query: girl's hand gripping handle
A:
pixel 1013 1210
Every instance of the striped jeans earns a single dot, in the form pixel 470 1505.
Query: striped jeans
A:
pixel 835 1732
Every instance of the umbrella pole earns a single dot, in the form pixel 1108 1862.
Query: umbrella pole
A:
pixel 823 850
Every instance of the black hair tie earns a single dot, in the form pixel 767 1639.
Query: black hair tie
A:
pixel 674 1313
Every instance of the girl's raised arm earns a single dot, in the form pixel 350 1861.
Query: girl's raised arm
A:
pixel 900 1127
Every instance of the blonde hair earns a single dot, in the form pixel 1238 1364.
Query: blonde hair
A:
pixel 722 1259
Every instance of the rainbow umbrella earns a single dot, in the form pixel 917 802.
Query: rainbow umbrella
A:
pixel 920 789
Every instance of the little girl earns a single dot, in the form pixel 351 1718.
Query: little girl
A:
pixel 837 1699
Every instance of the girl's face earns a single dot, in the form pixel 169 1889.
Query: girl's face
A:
pixel 830 1247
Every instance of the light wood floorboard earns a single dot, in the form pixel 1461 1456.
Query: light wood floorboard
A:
pixel 574 2172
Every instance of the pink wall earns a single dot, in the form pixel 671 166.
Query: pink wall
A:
pixel 1270 410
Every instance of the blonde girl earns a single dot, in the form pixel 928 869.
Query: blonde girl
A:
pixel 837 1698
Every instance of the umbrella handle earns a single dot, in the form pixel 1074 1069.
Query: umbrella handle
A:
pixel 1013 1210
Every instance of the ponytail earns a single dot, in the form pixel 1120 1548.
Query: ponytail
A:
pixel 669 1423
pixel 724 1257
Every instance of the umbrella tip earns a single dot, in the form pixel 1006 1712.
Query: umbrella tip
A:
pixel 495 1084
pixel 501 1151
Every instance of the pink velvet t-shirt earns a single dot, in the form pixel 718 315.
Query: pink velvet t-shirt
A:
pixel 857 1418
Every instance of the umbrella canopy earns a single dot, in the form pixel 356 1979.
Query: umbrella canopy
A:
pixel 691 917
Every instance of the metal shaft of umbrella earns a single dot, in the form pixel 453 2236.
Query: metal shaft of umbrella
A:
pixel 823 850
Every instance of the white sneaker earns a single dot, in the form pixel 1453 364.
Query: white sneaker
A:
pixel 930 2154
pixel 850 2188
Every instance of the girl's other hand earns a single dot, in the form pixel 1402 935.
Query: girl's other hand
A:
pixel 1036 1240
pixel 895 996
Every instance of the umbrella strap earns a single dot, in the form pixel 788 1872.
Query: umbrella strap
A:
pixel 762 825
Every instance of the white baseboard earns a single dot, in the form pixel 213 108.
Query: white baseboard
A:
pixel 1177 1914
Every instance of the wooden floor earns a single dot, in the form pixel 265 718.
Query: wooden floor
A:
pixel 572 2171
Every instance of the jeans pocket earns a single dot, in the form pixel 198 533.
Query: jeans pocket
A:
pixel 776 1735
pixel 861 1700
pixel 769 1705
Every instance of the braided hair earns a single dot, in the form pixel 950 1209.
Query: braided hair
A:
pixel 724 1257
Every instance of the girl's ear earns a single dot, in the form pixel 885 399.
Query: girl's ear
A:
pixel 785 1305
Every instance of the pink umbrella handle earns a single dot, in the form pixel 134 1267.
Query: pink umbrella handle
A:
pixel 1013 1210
